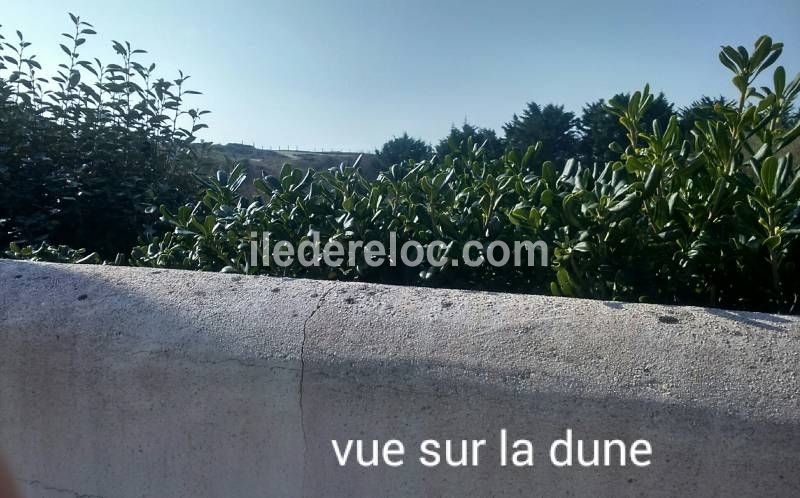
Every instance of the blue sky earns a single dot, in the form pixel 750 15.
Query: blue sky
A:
pixel 350 74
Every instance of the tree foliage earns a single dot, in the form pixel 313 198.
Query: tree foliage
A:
pixel 703 109
pixel 459 138
pixel 86 150
pixel 600 127
pixel 404 148
pixel 551 125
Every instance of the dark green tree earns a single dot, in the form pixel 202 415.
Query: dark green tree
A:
pixel 789 116
pixel 404 148
pixel 457 139
pixel 551 124
pixel 702 109
pixel 599 127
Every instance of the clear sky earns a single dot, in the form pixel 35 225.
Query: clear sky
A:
pixel 351 74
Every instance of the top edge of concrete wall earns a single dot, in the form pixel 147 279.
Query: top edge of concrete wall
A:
pixel 740 364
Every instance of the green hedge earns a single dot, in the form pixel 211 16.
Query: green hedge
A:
pixel 710 217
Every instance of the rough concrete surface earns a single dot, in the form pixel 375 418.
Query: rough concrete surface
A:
pixel 125 382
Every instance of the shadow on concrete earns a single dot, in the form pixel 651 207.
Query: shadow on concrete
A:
pixel 763 321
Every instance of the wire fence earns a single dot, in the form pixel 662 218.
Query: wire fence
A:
pixel 299 149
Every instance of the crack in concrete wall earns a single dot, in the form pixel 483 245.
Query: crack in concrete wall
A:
pixel 47 487
pixel 302 377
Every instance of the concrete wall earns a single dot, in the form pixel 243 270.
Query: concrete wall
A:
pixel 121 382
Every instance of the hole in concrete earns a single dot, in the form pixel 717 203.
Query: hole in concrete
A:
pixel 667 319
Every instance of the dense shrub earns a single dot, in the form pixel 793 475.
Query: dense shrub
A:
pixel 708 215
pixel 85 151
pixel 710 218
